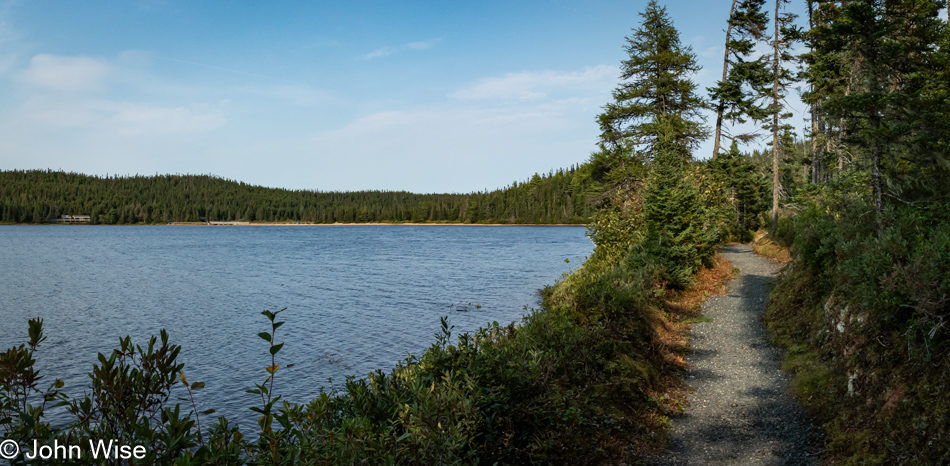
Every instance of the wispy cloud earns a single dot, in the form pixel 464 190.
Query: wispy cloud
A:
pixel 711 52
pixel 382 52
pixel 440 149
pixel 386 51
pixel 68 74
pixel 527 86
pixel 117 117
pixel 8 39
pixel 229 70
pixel 105 96
pixel 320 43
pixel 293 94
pixel 422 45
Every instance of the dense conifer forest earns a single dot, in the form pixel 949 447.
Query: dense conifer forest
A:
pixel 38 196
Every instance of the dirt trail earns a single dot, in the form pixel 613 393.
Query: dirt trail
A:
pixel 741 411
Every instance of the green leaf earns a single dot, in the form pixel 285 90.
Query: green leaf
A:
pixel 265 336
pixel 274 349
pixel 197 385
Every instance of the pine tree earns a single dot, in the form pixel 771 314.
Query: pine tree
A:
pixel 655 86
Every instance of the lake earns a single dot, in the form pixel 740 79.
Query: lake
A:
pixel 358 298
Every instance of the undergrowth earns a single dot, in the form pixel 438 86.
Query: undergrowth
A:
pixel 862 312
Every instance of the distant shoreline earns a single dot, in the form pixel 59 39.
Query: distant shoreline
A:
pixel 295 224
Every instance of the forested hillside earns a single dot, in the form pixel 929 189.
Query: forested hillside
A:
pixel 37 196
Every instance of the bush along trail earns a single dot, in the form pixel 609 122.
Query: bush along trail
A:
pixel 741 408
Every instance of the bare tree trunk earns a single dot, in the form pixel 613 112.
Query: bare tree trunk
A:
pixel 877 184
pixel 842 125
pixel 816 128
pixel 725 72
pixel 775 110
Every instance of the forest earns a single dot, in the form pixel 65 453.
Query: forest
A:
pixel 860 201
pixel 39 196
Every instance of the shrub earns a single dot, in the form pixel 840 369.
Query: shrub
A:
pixel 863 311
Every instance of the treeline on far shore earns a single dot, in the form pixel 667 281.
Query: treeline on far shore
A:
pixel 40 196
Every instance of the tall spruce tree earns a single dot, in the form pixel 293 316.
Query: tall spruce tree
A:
pixel 783 40
pixel 679 233
pixel 655 86
pixel 830 73
pixel 744 81
pixel 895 107
pixel 746 188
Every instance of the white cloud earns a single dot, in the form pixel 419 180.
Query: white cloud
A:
pixel 320 43
pixel 293 94
pixel 133 119
pixel 386 51
pixel 106 98
pixel 65 74
pixel 117 118
pixel 10 48
pixel 711 52
pixel 441 149
pixel 379 53
pixel 528 86
pixel 421 45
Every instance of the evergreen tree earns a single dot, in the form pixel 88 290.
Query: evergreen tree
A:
pixel 830 73
pixel 655 86
pixel 744 82
pixel 745 187
pixel 786 34
pixel 680 231
pixel 895 108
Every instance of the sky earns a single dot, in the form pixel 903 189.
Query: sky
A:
pixel 418 96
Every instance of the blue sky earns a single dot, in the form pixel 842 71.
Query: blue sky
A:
pixel 418 96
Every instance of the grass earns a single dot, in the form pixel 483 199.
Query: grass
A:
pixel 764 246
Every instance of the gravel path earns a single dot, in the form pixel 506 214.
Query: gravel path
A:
pixel 741 409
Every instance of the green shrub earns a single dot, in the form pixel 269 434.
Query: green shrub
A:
pixel 863 311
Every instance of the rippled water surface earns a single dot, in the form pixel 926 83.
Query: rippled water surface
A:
pixel 358 298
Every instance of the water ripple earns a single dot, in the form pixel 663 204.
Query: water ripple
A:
pixel 358 297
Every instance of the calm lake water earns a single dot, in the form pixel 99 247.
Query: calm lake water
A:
pixel 358 298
